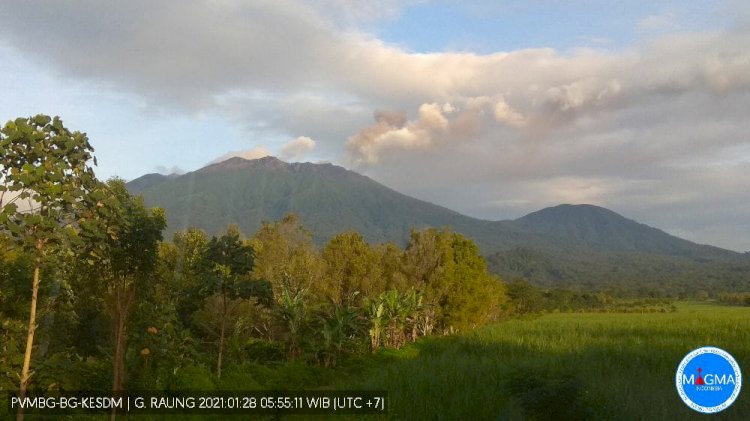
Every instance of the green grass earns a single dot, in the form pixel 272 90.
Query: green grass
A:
pixel 565 366
pixel 580 366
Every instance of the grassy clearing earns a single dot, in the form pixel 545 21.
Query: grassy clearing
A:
pixel 565 366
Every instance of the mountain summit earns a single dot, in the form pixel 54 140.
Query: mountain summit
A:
pixel 328 198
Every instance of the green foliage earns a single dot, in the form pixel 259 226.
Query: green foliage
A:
pixel 352 269
pixel 623 274
pixel 130 247
pixel 12 332
pixel 191 378
pixel 239 380
pixel 551 395
pixel 342 330
pixel 16 267
pixel 45 199
pixel 124 244
pixel 525 297
pixel 286 257
pixel 228 261
pixel 448 268
pixel 395 318
pixel 181 266
pixel 735 299
pixel 45 181
pixel 293 313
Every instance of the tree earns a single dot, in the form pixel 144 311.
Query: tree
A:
pixel 353 269
pixel 392 267
pixel 526 297
pixel 473 294
pixel 126 258
pixel 45 181
pixel 181 266
pixel 448 269
pixel 229 262
pixel 286 257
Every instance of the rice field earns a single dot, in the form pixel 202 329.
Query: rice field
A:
pixel 564 366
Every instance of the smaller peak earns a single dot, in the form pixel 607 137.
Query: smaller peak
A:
pixel 576 208
pixel 571 212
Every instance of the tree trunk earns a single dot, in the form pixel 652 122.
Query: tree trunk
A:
pixel 25 373
pixel 223 332
pixel 117 360
pixel 122 308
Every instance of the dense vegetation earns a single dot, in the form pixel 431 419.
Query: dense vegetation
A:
pixel 623 274
pixel 112 306
pixel 271 298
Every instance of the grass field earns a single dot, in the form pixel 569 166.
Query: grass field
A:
pixel 564 366
pixel 574 366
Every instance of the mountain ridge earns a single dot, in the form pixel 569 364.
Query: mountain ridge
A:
pixel 553 223
pixel 552 245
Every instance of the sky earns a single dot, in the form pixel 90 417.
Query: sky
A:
pixel 491 108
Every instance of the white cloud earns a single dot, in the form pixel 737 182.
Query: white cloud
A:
pixel 296 149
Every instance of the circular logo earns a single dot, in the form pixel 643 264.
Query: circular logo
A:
pixel 708 380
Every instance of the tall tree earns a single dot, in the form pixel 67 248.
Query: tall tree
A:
pixel 125 259
pixel 182 263
pixel 229 262
pixel 353 269
pixel 45 181
pixel 286 256
pixel 449 270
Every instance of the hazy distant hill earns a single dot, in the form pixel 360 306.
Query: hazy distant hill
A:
pixel 559 244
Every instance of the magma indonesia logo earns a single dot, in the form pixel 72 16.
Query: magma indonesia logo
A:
pixel 708 380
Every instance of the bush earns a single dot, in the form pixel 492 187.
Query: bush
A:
pixel 543 395
pixel 192 378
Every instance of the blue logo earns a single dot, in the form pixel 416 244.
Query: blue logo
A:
pixel 708 380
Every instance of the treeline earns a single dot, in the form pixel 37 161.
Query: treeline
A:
pixel 624 275
pixel 526 298
pixel 93 298
pixel 733 298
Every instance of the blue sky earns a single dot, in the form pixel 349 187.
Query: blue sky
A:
pixel 494 109
pixel 488 26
